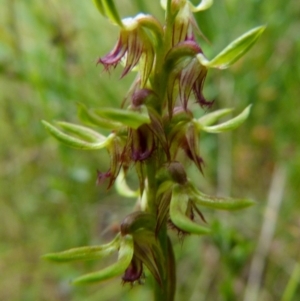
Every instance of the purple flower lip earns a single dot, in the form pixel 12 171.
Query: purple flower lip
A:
pixel 134 272
pixel 114 57
pixel 133 46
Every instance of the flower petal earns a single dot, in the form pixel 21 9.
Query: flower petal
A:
pixel 99 141
pixel 178 207
pixel 85 253
pixel 116 269
pixel 230 124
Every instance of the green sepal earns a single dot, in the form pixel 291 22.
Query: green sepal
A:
pixel 152 26
pixel 165 185
pixel 89 117
pixel 133 119
pixel 81 132
pixel 146 65
pixel 158 128
pixel 203 5
pixel 122 187
pixel 148 250
pixel 98 141
pixel 212 117
pixel 180 55
pixel 178 207
pixel 163 209
pixel 116 269
pixel 221 203
pixel 227 125
pixel 233 51
pixel 85 253
pixel 108 9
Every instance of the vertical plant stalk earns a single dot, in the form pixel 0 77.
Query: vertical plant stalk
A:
pixel 267 233
pixel 166 291
pixel 161 291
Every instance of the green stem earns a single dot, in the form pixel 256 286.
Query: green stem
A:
pixel 151 190
pixel 160 76
pixel 166 291
pixel 171 272
pixel 160 291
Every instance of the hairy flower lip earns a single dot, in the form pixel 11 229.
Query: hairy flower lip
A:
pixel 114 56
pixel 127 44
pixel 135 45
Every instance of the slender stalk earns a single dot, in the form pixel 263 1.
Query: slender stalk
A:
pixel 166 290
pixel 266 235
pixel 171 272
pixel 151 187
pixel 161 292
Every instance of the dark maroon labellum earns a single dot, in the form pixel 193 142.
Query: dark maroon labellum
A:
pixel 134 272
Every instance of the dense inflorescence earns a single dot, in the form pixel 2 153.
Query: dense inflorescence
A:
pixel 152 131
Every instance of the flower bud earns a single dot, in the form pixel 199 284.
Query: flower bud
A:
pixel 177 173
pixel 136 221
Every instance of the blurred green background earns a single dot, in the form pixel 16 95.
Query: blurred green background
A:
pixel 48 197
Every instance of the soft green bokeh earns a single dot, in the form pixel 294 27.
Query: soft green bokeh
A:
pixel 48 198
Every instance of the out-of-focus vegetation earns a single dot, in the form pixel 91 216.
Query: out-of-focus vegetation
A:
pixel 48 197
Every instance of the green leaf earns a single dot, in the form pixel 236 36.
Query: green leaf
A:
pixel 99 140
pixel 230 124
pixel 133 119
pixel 108 9
pixel 89 117
pixel 85 253
pixel 233 51
pixel 178 207
pixel 116 269
pixel 222 203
